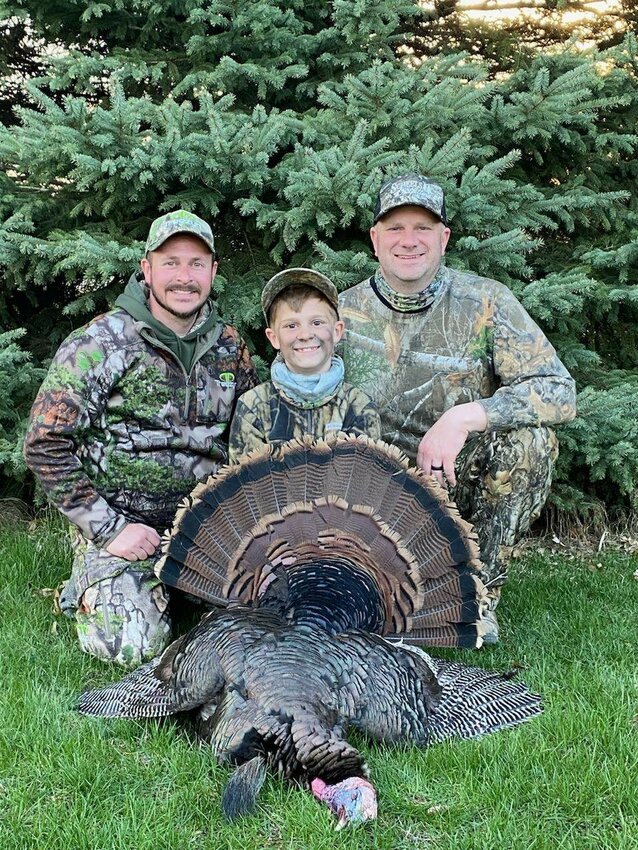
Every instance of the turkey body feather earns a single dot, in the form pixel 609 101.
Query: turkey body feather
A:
pixel 258 685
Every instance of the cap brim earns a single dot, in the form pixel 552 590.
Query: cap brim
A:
pixel 293 277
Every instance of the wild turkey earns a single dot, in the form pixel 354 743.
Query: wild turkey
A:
pixel 314 547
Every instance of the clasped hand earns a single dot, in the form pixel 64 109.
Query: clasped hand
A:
pixel 135 542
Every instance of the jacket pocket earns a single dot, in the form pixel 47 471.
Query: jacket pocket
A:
pixel 215 396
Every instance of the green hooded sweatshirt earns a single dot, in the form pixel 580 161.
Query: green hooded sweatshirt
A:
pixel 134 300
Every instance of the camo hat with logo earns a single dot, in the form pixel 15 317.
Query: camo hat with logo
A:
pixel 180 221
pixel 292 277
pixel 410 190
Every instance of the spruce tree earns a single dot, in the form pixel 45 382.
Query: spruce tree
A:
pixel 277 122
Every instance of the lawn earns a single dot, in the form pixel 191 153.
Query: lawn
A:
pixel 566 781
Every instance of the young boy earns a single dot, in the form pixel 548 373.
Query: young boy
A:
pixel 306 393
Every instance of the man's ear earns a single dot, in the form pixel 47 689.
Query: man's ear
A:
pixel 338 331
pixel 445 237
pixel 373 239
pixel 146 269
pixel 273 339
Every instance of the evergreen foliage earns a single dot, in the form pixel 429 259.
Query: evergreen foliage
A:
pixel 277 121
pixel 17 375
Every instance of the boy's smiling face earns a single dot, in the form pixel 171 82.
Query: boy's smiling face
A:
pixel 306 337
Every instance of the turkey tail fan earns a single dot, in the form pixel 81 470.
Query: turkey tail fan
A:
pixel 402 550
pixel 475 702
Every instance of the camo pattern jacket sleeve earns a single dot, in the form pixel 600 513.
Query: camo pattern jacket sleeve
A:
pixel 119 432
pixel 475 343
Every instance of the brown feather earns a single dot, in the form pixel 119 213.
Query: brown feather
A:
pixel 311 501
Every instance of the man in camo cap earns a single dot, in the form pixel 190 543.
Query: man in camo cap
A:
pixel 466 382
pixel 133 413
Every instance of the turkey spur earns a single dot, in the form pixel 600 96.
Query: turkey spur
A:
pixel 275 679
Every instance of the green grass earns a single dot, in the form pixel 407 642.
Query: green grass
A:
pixel 565 780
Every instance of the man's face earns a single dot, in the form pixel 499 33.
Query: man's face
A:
pixel 306 338
pixel 409 243
pixel 179 275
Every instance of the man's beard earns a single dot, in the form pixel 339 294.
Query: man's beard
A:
pixel 188 313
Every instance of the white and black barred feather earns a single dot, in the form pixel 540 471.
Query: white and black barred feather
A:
pixel 476 702
pixel 139 694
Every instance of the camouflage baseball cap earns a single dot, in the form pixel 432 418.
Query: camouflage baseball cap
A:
pixel 292 277
pixel 180 221
pixel 410 190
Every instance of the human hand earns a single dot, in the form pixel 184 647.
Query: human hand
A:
pixel 135 542
pixel 441 444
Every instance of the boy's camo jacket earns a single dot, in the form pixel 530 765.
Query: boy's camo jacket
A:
pixel 265 416
pixel 475 343
pixel 120 433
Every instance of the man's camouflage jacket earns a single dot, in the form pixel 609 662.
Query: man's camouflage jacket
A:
pixel 474 343
pixel 119 432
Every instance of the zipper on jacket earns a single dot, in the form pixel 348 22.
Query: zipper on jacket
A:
pixel 154 341
pixel 144 331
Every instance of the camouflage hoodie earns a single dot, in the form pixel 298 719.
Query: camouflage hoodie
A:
pixel 474 342
pixel 120 432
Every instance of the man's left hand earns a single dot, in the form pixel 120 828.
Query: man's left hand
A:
pixel 442 443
